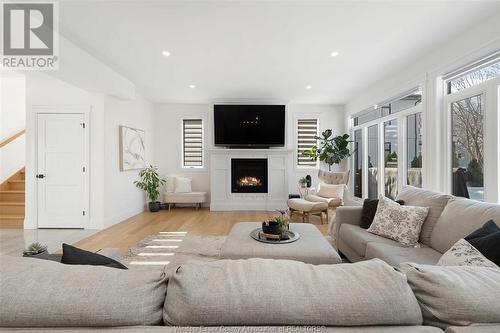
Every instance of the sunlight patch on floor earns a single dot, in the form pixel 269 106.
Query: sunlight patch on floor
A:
pixel 162 246
pixel 150 263
pixel 157 254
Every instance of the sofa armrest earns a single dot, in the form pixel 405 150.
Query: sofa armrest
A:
pixel 345 215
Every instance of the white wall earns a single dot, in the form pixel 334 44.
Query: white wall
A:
pixel 122 198
pixel 467 47
pixel 12 120
pixel 168 136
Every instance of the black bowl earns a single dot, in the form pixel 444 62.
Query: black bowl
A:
pixel 272 227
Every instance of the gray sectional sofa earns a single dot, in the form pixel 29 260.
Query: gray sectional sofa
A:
pixel 450 218
pixel 252 295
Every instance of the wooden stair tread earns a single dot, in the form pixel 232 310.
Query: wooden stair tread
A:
pixel 11 203
pixel 13 217
pixel 16 181
pixel 12 191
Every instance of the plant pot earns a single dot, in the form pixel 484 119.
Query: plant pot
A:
pixel 154 206
pixel 273 228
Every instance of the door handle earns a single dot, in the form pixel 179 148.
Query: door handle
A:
pixel 40 176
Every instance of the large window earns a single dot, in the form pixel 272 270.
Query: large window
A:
pixel 358 160
pixel 391 158
pixel 373 144
pixel 307 131
pixel 414 150
pixel 192 143
pixel 392 151
pixel 467 147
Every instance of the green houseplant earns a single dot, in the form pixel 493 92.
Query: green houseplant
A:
pixel 331 149
pixel 150 183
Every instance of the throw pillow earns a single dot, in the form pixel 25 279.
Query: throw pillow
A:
pixel 331 191
pixel 75 256
pixel 399 223
pixel 182 185
pixel 462 253
pixel 170 184
pixel 487 240
pixel 369 210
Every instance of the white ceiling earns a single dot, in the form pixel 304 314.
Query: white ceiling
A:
pixel 263 50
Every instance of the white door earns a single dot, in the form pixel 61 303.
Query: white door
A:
pixel 61 171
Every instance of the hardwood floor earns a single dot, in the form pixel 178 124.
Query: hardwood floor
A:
pixel 202 222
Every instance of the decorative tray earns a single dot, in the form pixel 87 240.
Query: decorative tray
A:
pixel 259 236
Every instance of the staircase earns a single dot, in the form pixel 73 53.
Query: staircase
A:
pixel 12 201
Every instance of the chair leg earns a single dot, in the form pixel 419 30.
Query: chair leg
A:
pixel 321 217
pixel 307 217
pixel 169 206
pixel 304 217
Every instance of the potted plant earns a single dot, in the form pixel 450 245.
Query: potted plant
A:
pixel 303 182
pixel 36 250
pixel 277 226
pixel 150 183
pixel 331 150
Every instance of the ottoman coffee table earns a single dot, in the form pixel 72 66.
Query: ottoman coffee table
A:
pixel 312 247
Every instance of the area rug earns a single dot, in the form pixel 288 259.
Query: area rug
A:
pixel 173 249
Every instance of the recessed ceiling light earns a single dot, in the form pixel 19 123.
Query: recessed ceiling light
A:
pixel 334 54
pixel 192 86
pixel 308 87
pixel 165 53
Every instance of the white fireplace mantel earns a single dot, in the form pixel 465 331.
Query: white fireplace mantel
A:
pixel 220 180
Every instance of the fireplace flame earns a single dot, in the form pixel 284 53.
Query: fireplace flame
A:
pixel 249 181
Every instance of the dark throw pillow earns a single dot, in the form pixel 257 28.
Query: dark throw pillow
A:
pixel 75 256
pixel 487 241
pixel 369 210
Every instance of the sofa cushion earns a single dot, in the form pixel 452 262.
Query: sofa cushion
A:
pixel 462 253
pixel 459 218
pixel 286 292
pixel 41 293
pixel 357 238
pixel 394 255
pixel 478 328
pixel 455 295
pixel 413 196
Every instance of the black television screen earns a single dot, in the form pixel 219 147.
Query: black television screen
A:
pixel 249 125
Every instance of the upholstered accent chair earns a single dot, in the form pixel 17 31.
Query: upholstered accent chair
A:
pixel 334 177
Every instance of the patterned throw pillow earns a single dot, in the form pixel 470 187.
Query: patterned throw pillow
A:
pixel 462 253
pixel 399 223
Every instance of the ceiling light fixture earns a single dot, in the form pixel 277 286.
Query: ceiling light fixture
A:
pixel 334 54
pixel 308 87
pixel 165 53
pixel 192 86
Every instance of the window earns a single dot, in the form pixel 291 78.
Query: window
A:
pixel 373 162
pixel 408 101
pixel 486 70
pixel 467 147
pixel 358 168
pixel 414 150
pixel 307 131
pixel 391 158
pixel 392 148
pixel 192 143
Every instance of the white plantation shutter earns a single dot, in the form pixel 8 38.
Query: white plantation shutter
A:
pixel 192 143
pixel 307 130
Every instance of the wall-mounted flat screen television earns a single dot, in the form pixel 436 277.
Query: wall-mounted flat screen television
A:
pixel 249 125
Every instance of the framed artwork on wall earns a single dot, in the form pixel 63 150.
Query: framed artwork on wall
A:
pixel 132 149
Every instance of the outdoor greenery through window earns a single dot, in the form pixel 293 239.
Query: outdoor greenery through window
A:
pixel 467 147
pixel 373 162
pixel 414 149
pixel 358 166
pixel 391 158
pixel 474 77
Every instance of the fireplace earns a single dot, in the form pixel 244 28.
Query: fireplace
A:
pixel 249 175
